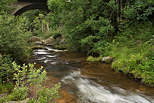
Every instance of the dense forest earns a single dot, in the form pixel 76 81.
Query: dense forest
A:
pixel 120 29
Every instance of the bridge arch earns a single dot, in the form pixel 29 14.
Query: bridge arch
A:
pixel 22 7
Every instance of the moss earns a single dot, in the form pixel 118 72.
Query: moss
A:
pixel 60 46
pixel 39 47
pixel 92 59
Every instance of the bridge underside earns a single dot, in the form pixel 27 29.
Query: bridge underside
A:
pixel 21 7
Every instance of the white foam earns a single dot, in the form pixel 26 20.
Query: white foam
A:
pixel 53 62
pixel 40 51
pixel 46 61
pixel 51 56
pixel 55 50
pixel 98 94
pixel 42 58
pixel 43 52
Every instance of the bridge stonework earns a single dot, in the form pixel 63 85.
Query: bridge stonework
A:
pixel 24 5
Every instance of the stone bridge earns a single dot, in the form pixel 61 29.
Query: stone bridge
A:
pixel 24 5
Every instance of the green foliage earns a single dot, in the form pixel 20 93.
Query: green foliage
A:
pixel 4 8
pixel 133 50
pixel 40 26
pixel 88 42
pixel 37 22
pixel 25 76
pixel 54 20
pixel 6 69
pixel 6 74
pixel 136 60
pixel 83 20
pixel 14 38
pixel 18 93
pixel 6 87
pixel 92 59
pixel 139 10
pixel 46 95
pixel 28 78
pixel 18 80
pixel 30 16
pixel 28 75
pixel 123 30
pixel 55 5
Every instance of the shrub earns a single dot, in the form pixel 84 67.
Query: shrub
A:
pixel 6 87
pixel 28 78
pixel 36 22
pixel 19 93
pixel 6 71
pixel 28 75
pixel 14 38
pixel 4 8
pixel 46 95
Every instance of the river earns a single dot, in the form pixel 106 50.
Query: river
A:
pixel 89 82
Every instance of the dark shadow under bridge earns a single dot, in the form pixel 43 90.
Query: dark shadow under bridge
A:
pixel 24 5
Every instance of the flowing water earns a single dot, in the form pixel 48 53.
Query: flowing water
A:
pixel 86 82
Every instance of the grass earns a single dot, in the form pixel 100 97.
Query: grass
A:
pixel 136 60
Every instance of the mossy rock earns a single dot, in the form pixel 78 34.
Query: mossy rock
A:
pixel 39 47
pixel 61 47
pixel 107 60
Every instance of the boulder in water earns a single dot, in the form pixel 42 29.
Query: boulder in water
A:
pixel 107 59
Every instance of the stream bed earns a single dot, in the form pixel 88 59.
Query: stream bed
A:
pixel 86 82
